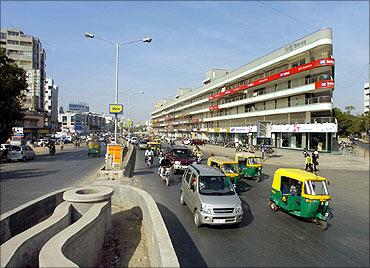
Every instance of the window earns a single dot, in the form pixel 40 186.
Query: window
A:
pixel 187 176
pixel 49 107
pixel 13 42
pixel 316 188
pixel 289 84
pixel 288 101
pixel 24 43
pixel 13 33
pixel 2 35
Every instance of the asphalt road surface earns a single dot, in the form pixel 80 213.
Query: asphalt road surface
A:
pixel 22 182
pixel 266 238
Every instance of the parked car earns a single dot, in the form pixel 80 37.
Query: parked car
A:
pixel 4 149
pixel 42 142
pixel 181 157
pixel 186 141
pixel 22 152
pixel 143 144
pixel 210 196
pixel 197 142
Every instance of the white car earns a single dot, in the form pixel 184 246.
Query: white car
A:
pixel 42 142
pixel 20 153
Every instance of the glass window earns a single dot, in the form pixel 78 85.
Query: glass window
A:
pixel 230 168
pixel 182 153
pixel 215 185
pixel 2 35
pixel 316 188
pixel 187 176
pixel 13 42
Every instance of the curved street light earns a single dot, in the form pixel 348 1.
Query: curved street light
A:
pixel 117 45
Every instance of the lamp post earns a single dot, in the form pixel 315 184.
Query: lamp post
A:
pixel 117 45
pixel 129 106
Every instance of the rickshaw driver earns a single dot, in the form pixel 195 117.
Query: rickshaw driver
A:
pixel 148 152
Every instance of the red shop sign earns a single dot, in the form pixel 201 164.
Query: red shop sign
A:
pixel 295 70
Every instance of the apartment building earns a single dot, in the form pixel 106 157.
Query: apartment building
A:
pixel 51 104
pixel 27 52
pixel 366 98
pixel 289 89
pixel 79 107
pixel 81 123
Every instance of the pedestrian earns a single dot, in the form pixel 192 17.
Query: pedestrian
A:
pixel 61 145
pixel 315 159
pixel 236 145
pixel 308 163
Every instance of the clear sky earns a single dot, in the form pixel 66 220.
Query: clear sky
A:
pixel 188 39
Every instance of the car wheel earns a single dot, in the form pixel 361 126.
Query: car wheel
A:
pixel 24 159
pixel 197 219
pixel 182 201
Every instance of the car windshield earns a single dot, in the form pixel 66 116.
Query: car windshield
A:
pixel 215 185
pixel 230 168
pixel 143 142
pixel 316 188
pixel 182 152
pixel 15 148
pixel 254 161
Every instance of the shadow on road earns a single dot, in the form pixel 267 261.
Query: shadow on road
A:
pixel 25 173
pixel 186 251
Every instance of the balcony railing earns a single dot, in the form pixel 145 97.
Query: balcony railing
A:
pixel 323 120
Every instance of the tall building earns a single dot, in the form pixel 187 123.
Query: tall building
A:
pixel 289 91
pixel 78 107
pixel 81 123
pixel 27 52
pixel 51 104
pixel 366 97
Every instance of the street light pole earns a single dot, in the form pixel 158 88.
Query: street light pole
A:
pixel 144 40
pixel 117 70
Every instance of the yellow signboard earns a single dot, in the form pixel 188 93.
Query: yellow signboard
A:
pixel 116 151
pixel 115 108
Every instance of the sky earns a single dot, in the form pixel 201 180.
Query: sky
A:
pixel 188 39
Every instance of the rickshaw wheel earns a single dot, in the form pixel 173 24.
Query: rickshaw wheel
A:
pixel 273 206
pixel 323 225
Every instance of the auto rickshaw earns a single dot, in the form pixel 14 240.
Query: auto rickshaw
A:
pixel 249 165
pixel 155 146
pixel 301 193
pixel 93 148
pixel 227 166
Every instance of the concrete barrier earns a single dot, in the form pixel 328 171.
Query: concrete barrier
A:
pixel 80 244
pixel 161 251
pixel 29 214
pixel 129 163
pixel 23 249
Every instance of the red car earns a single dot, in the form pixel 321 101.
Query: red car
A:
pixel 181 157
pixel 197 142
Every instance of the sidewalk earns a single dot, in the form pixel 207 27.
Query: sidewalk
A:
pixel 285 157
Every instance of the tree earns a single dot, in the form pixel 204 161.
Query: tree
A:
pixel 13 86
pixel 349 124
pixel 349 109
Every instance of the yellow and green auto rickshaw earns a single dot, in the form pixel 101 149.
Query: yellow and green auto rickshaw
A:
pixel 249 165
pixel 93 148
pixel 227 166
pixel 302 194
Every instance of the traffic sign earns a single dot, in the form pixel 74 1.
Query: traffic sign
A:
pixel 115 108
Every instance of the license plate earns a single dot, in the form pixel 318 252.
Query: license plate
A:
pixel 219 221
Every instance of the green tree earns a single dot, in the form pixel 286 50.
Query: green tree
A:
pixel 13 86
pixel 349 109
pixel 349 124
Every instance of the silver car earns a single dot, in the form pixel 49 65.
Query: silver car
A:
pixel 210 195
pixel 22 152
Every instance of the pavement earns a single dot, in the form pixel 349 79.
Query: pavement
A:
pixel 294 158
pixel 266 238
pixel 22 182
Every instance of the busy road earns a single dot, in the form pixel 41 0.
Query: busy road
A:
pixel 22 182
pixel 267 238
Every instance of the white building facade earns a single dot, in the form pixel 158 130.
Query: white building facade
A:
pixel 366 98
pixel 290 89
pixel 51 104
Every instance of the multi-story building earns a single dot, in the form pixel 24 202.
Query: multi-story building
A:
pixel 51 105
pixel 81 123
pixel 366 97
pixel 79 107
pixel 290 89
pixel 27 52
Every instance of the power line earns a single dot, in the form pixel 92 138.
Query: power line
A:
pixel 360 75
pixel 289 16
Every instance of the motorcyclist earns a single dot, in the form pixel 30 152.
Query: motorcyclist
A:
pixel 51 146
pixel 160 155
pixel 148 152
pixel 165 163
pixel 197 152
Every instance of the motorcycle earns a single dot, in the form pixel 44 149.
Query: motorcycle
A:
pixel 166 175
pixel 52 151
pixel 149 161
pixel 199 158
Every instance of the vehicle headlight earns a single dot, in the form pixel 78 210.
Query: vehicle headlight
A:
pixel 177 163
pixel 238 209
pixel 206 208
pixel 327 203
